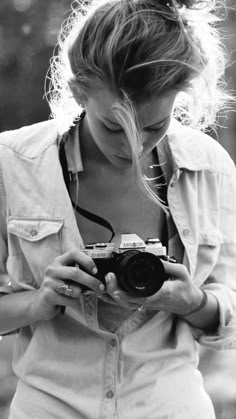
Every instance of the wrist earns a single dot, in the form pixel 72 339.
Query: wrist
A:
pixel 32 310
pixel 207 315
pixel 201 303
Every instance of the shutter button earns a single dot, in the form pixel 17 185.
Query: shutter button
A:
pixel 34 233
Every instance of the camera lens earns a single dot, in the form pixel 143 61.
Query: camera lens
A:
pixel 141 274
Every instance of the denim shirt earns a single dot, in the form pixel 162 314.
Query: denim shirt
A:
pixel 71 367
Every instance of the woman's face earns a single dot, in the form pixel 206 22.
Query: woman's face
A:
pixel 154 117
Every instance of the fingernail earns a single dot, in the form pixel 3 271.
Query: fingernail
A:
pixel 116 295
pixel 94 270
pixel 101 287
pixel 108 277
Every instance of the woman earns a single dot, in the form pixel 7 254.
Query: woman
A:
pixel 134 84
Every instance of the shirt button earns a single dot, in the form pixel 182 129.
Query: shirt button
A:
pixel 186 232
pixel 33 232
pixel 109 394
pixel 113 343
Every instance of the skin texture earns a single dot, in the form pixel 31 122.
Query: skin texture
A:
pixel 106 141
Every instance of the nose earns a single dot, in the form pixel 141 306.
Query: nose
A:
pixel 126 150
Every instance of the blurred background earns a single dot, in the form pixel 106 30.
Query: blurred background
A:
pixel 28 35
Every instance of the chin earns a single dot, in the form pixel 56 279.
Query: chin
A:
pixel 121 162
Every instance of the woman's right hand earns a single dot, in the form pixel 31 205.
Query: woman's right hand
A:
pixel 65 269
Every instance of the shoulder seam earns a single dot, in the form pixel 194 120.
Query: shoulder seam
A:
pixel 24 155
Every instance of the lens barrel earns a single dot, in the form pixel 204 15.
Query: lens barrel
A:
pixel 141 274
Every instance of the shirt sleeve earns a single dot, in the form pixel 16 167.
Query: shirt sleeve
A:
pixel 222 281
pixel 5 282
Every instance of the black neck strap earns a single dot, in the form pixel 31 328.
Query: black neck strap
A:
pixel 87 214
pixel 96 218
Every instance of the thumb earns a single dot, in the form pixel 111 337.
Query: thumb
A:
pixel 176 270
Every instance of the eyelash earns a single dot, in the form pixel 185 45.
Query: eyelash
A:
pixel 155 129
pixel 112 130
pixel 160 128
pixel 148 129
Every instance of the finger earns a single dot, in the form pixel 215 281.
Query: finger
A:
pixel 76 256
pixel 176 270
pixel 111 283
pixel 108 299
pixel 75 274
pixel 121 296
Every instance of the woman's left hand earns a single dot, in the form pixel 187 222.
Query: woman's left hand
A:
pixel 178 294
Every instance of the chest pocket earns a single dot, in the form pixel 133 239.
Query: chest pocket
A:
pixel 33 244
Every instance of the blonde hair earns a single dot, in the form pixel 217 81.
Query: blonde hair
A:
pixel 142 47
pixel 139 49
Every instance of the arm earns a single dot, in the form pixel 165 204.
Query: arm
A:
pixel 221 283
pixel 178 295
pixel 205 315
pixel 15 311
pixel 215 270
pixel 27 307
pixel 216 319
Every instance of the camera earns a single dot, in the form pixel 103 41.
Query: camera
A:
pixel 137 264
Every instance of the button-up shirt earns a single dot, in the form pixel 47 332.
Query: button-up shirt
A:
pixel 71 366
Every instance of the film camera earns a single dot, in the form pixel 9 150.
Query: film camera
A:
pixel 137 264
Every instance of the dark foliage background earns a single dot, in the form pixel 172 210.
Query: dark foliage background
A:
pixel 28 34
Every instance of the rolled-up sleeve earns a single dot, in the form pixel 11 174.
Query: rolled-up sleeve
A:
pixel 222 281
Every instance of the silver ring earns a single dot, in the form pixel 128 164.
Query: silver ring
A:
pixel 64 289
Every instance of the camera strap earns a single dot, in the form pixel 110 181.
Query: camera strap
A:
pixel 100 220
pixel 87 214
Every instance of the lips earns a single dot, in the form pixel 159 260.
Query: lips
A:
pixel 128 160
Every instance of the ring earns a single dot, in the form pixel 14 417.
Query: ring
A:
pixel 64 290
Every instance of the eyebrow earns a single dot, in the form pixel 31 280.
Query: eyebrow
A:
pixel 149 126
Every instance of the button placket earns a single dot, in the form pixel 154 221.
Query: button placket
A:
pixel 186 232
pixel 113 343
pixel 132 323
pixel 90 310
pixel 180 222
pixel 111 364
pixel 109 394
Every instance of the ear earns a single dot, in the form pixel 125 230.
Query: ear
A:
pixel 79 95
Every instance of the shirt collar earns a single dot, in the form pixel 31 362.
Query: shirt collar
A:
pixel 190 149
pixel 72 148
pixel 185 146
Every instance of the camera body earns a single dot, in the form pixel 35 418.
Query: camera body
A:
pixel 137 264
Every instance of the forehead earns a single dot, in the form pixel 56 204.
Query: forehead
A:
pixel 150 111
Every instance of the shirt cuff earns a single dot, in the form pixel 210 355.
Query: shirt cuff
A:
pixel 225 336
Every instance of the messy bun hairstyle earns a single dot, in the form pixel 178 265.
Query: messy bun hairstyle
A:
pixel 142 48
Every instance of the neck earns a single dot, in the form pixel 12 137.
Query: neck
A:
pixel 92 157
